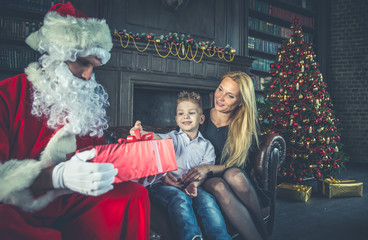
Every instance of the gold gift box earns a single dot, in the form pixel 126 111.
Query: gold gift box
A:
pixel 294 191
pixel 340 188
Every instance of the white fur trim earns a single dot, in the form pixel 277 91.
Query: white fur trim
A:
pixel 59 145
pixel 78 33
pixel 34 74
pixel 100 53
pixel 16 176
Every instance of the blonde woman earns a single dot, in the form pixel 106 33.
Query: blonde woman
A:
pixel 231 126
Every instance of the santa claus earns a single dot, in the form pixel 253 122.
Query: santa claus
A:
pixel 56 107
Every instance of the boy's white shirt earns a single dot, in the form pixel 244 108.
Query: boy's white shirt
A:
pixel 184 158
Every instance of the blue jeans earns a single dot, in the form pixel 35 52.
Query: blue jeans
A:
pixel 184 211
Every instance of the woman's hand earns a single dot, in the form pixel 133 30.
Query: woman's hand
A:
pixel 196 174
pixel 169 179
pixel 137 125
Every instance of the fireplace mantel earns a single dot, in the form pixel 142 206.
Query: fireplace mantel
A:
pixel 129 67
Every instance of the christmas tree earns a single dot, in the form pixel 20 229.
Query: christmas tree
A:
pixel 298 107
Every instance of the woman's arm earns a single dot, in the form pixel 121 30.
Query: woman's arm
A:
pixel 200 173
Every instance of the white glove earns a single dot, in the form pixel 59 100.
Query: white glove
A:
pixel 84 177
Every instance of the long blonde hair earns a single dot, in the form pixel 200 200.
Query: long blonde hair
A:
pixel 243 123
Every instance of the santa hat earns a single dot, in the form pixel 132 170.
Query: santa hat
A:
pixel 65 27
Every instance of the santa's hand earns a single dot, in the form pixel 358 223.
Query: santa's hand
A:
pixel 84 177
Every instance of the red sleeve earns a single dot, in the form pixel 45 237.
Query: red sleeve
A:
pixel 83 142
pixel 22 135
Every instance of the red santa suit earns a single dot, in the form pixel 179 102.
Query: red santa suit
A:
pixel 27 146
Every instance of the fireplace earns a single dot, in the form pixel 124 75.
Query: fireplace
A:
pixel 143 86
pixel 156 106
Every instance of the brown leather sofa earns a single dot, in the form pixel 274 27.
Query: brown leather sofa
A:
pixel 265 163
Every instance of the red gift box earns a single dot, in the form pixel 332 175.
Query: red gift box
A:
pixel 137 158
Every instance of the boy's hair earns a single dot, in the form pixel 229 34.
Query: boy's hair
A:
pixel 191 97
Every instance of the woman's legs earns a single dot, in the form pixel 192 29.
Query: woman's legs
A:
pixel 238 200
pixel 182 218
pixel 244 190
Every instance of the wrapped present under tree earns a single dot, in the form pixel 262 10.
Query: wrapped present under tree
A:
pixel 294 191
pixel 340 188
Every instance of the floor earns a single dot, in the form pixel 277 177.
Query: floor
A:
pixel 322 218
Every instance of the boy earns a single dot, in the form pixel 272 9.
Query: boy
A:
pixel 183 201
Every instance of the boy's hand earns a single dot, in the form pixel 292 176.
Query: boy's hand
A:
pixel 191 190
pixel 169 179
pixel 137 125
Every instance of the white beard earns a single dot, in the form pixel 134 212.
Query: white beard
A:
pixel 68 101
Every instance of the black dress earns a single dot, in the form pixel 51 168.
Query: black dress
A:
pixel 217 136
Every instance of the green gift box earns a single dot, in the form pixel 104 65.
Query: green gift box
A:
pixel 340 188
pixel 294 191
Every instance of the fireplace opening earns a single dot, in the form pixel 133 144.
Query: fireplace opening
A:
pixel 156 106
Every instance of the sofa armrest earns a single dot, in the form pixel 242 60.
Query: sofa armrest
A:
pixel 267 159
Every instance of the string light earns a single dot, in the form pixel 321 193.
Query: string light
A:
pixel 185 48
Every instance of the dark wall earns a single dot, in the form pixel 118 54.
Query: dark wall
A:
pixel 342 50
pixel 129 69
pixel 348 78
pixel 203 20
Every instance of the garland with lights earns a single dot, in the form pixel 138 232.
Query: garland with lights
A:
pixel 298 107
pixel 184 47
